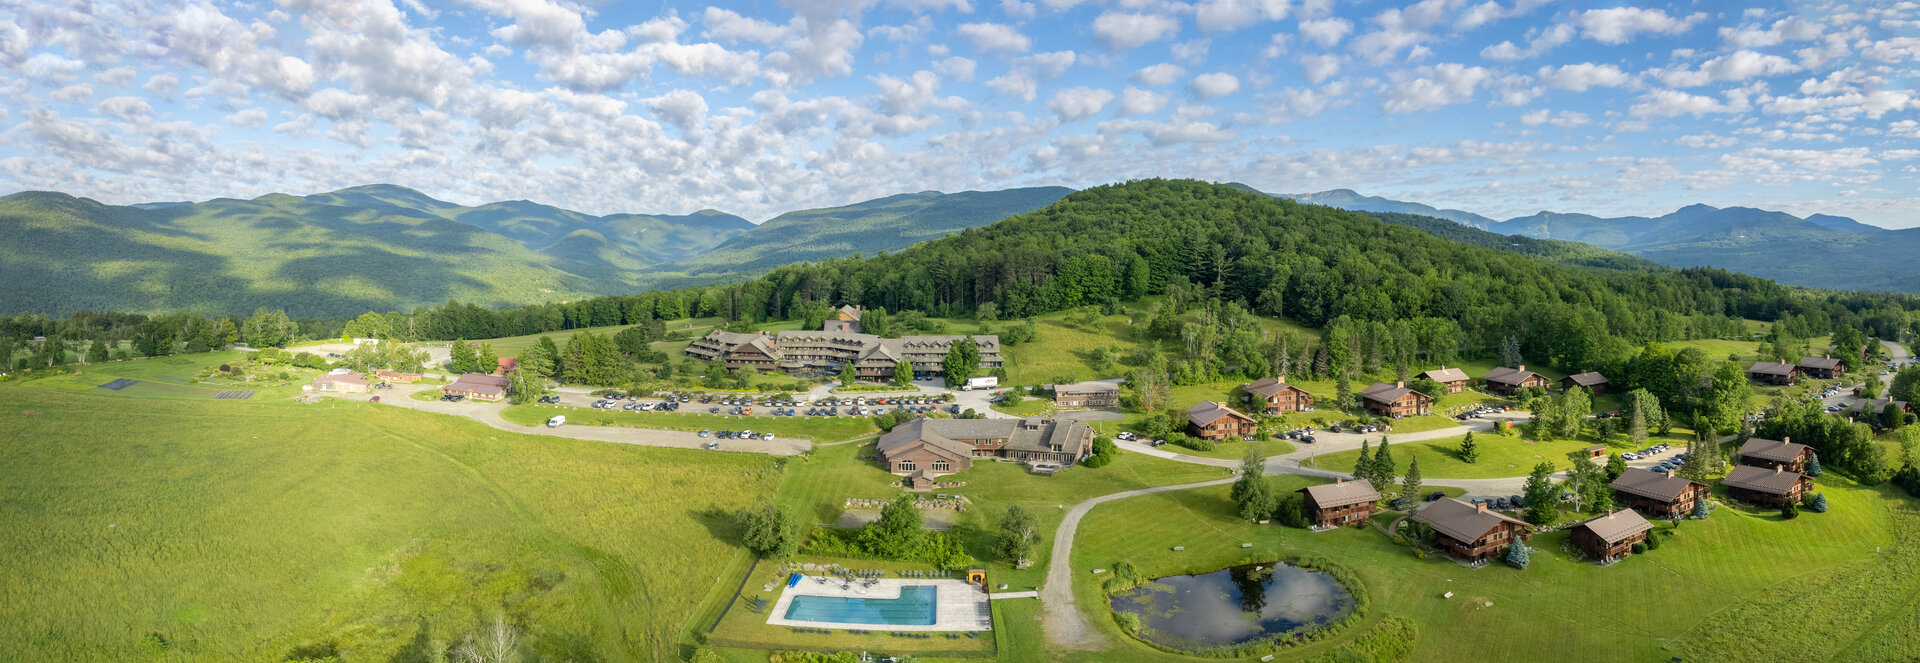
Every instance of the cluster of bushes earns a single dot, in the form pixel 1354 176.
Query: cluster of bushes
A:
pixel 1103 453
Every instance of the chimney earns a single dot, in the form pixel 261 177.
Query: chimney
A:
pixel 1669 474
pixel 1776 469
pixel 1609 513
pixel 1339 480
pixel 1521 367
pixel 1786 440
pixel 1481 507
pixel 1401 383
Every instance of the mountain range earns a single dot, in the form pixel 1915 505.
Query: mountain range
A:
pixel 1820 250
pixel 384 247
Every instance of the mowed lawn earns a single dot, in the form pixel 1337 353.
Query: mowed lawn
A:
pixel 147 529
pixel 1500 456
pixel 1760 569
pixel 818 429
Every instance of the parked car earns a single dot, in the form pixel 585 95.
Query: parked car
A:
pixel 705 433
pixel 1435 496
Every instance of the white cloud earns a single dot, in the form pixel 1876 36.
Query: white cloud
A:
pixel 1670 103
pixel 956 68
pixel 251 118
pixel 1159 74
pixel 1015 84
pixel 1214 85
pixel 1434 87
pixel 1078 102
pixel 116 76
pixel 131 109
pixel 1537 45
pixel 1050 65
pixel 1135 101
pixel 995 37
pixel 536 22
pixel 1792 28
pixel 1122 31
pixel 1620 25
pixel 1583 76
pixel 73 93
pixel 1326 31
pixel 1565 119
pixel 726 25
pixel 1319 68
pixel 1735 66
pixel 1017 10
pixel 1229 15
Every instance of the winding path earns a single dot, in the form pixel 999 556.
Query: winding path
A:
pixel 1066 626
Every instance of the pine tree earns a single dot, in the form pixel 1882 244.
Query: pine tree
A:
pixel 1410 487
pixel 1363 468
pixel 1518 556
pixel 1700 509
pixel 1818 504
pixel 1813 464
pixel 1322 361
pixel 1469 452
pixel 1616 466
pixel 1637 426
pixel 1510 352
pixel 485 361
pixel 1790 510
pixel 847 376
pixel 1343 393
pixel 1538 495
pixel 1383 468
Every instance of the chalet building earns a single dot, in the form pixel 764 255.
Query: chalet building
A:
pixel 1275 396
pixel 1773 373
pixel 478 386
pixel 1594 383
pixel 396 377
pixel 1394 400
pixel 1454 379
pixel 1087 394
pixel 1610 538
pixel 1822 368
pixel 1470 532
pixel 345 383
pixel 944 446
pixel 1340 503
pixel 1869 411
pixel 827 351
pixel 1213 420
pixel 1505 381
pixel 845 319
pixel 1660 494
pixel 1770 454
pixel 1764 487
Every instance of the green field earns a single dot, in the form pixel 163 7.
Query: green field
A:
pixel 1500 456
pixel 1716 591
pixel 818 429
pixel 248 530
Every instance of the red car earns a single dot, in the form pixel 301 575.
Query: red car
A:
pixel 375 399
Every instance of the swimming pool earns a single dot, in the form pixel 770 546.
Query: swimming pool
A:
pixel 915 607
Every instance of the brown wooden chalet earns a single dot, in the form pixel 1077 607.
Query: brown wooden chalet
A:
pixel 943 446
pixel 1773 373
pixel 1505 381
pixel 1275 396
pixel 1087 394
pixel 478 386
pixel 1340 503
pixel 1770 454
pixel 1870 410
pixel 1822 368
pixel 1454 379
pixel 827 351
pixel 1610 537
pixel 1660 494
pixel 1213 420
pixel 1594 383
pixel 1764 487
pixel 1470 532
pixel 1394 400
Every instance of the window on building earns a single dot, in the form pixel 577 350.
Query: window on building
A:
pixel 941 466
pixel 904 466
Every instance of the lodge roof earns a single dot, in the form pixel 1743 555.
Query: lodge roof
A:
pixel 1588 379
pixel 1771 368
pixel 1652 485
pixel 1341 493
pixel 1615 526
pixel 1206 412
pixel 1779 451
pixel 1759 479
pixel 1512 376
pixel 1269 387
pixel 1381 392
pixel 1823 363
pixel 1444 375
pixel 1460 520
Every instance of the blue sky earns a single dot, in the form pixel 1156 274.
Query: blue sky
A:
pixel 1502 107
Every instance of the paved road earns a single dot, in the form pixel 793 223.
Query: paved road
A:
pixel 489 414
pixel 1065 625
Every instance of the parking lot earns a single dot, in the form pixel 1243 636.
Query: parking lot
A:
pixel 760 406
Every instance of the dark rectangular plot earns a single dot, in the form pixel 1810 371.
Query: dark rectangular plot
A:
pixel 119 384
pixel 234 394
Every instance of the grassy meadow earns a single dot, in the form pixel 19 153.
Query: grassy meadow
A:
pixel 818 429
pixel 1735 587
pixel 245 530
pixel 1500 456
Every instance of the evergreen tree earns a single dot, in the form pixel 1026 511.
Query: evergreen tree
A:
pixel 1790 510
pixel 902 373
pixel 1410 486
pixel 1891 416
pixel 1616 466
pixel 1818 503
pixel 1510 352
pixel 1700 509
pixel 959 364
pixel 1384 468
pixel 1518 556
pixel 1653 540
pixel 1637 426
pixel 1539 495
pixel 1813 465
pixel 551 351
pixel 847 376
pixel 1343 394
pixel 1469 452
pixel 1695 467
pixel 1251 492
pixel 1322 361
pixel 1363 468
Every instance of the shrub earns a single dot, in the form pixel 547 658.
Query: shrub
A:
pixel 1653 542
pixel 1817 502
pixel 1518 556
pixel 1790 511
pixel 1129 622
pixel 1639 548
pixel 1189 442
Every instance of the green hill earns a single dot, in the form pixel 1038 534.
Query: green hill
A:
pixel 885 224
pixel 61 254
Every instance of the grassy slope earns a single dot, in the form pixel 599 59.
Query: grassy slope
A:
pixel 241 530
pixel 818 429
pixel 1558 608
pixel 1500 456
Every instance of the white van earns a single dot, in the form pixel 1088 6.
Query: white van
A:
pixel 556 421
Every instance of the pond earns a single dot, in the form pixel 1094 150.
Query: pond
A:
pixel 1234 606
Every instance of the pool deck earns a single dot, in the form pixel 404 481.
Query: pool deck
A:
pixel 959 607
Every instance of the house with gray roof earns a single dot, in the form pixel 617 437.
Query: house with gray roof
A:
pixel 1213 420
pixel 944 446
pixel 1394 400
pixel 1662 494
pixel 1773 373
pixel 1766 487
pixel 1340 503
pixel 1087 394
pixel 1274 396
pixel 1454 379
pixel 1609 538
pixel 1594 383
pixel 1505 381
pixel 1769 454
pixel 1471 532
pixel 1822 368
pixel 827 351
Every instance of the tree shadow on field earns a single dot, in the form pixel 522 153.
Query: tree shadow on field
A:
pixel 721 524
pixel 420 648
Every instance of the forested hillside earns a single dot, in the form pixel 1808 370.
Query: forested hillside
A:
pixel 866 228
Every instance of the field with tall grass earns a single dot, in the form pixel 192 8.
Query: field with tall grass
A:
pixel 207 530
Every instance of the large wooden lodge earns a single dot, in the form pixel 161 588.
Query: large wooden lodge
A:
pixel 827 352
pixel 932 447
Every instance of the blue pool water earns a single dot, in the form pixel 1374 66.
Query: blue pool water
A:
pixel 915 607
